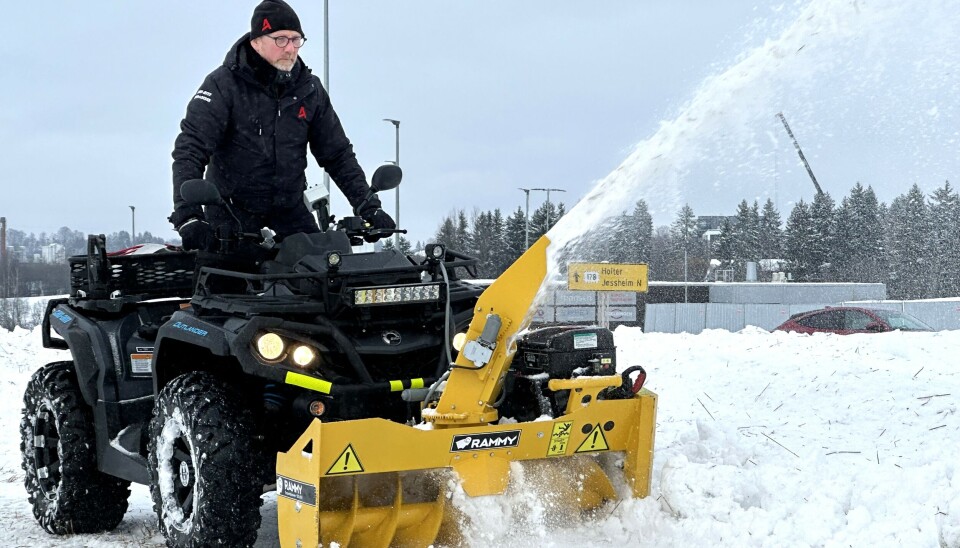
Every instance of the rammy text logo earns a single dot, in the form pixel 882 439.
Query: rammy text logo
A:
pixel 62 316
pixel 297 490
pixel 488 440
pixel 191 329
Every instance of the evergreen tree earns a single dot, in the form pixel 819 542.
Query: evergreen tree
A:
pixel 542 220
pixel 641 232
pixel 746 236
pixel 859 255
pixel 691 251
pixel 447 233
pixel 484 244
pixel 405 246
pixel 463 239
pixel 501 254
pixel 821 248
pixel 725 245
pixel 910 252
pixel 771 235
pixel 945 241
pixel 662 263
pixel 798 232
pixel 620 246
pixel 514 236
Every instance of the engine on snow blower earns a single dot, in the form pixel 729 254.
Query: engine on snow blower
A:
pixel 561 352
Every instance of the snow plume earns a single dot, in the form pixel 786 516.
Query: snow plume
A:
pixel 877 67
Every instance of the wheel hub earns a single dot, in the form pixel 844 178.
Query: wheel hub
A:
pixel 184 473
pixel 46 456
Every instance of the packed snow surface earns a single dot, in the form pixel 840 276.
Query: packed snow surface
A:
pixel 763 439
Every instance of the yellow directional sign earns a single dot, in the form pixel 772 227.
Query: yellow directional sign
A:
pixel 346 463
pixel 607 277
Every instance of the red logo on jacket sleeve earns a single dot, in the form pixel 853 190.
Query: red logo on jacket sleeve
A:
pixel 266 25
pixel 302 114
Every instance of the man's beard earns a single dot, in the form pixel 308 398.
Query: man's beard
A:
pixel 284 65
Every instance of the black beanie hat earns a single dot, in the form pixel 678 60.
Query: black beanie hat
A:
pixel 271 16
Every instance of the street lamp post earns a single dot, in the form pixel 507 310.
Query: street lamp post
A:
pixel 133 224
pixel 526 220
pixel 326 68
pixel 396 124
pixel 548 190
pixel 526 216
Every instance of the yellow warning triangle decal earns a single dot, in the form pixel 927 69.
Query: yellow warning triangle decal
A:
pixel 594 442
pixel 346 463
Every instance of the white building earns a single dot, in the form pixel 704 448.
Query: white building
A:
pixel 53 254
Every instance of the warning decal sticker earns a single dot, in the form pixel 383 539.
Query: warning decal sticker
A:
pixel 140 364
pixel 595 441
pixel 346 463
pixel 559 438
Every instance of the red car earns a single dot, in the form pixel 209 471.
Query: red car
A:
pixel 844 320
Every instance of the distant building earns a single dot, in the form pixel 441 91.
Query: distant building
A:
pixel 708 226
pixel 53 254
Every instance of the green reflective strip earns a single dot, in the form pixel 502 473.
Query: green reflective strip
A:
pixel 309 383
pixel 416 383
pixel 396 386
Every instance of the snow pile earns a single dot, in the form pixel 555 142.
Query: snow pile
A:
pixel 763 439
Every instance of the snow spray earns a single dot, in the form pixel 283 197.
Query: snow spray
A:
pixel 871 82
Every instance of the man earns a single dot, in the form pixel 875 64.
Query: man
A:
pixel 249 126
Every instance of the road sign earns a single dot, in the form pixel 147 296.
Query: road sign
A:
pixel 607 277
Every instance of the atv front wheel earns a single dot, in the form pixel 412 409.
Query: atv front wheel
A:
pixel 206 464
pixel 58 444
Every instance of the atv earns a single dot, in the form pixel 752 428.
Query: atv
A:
pixel 310 368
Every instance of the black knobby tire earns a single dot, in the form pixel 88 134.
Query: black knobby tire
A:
pixel 206 464
pixel 58 445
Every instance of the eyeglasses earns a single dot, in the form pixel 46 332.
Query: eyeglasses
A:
pixel 282 41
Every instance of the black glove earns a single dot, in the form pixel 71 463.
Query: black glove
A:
pixel 196 234
pixel 378 219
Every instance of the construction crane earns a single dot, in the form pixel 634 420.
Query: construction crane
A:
pixel 800 152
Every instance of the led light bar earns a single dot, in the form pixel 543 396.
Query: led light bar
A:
pixel 397 294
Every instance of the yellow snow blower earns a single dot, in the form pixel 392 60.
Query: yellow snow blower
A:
pixel 374 482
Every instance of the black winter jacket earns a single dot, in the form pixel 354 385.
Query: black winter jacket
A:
pixel 252 137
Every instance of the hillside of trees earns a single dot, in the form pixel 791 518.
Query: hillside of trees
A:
pixel 912 245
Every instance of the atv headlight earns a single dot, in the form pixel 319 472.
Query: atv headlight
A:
pixel 303 355
pixel 458 341
pixel 397 294
pixel 270 346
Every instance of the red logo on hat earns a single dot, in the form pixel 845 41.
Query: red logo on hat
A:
pixel 266 25
pixel 302 114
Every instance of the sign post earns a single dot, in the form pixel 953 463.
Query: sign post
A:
pixel 604 278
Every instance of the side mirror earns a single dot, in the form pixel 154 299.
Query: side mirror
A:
pixel 200 192
pixel 876 327
pixel 386 178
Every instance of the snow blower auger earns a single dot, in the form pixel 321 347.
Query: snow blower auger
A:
pixel 373 482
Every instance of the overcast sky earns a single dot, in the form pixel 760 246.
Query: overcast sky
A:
pixel 491 96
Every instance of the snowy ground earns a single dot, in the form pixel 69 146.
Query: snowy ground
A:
pixel 763 439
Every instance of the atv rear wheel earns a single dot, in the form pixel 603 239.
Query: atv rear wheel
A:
pixel 58 444
pixel 206 464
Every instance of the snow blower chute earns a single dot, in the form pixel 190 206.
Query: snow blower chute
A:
pixel 373 482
